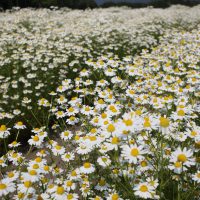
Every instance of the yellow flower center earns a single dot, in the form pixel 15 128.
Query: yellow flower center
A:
pixel 36 138
pixel 115 140
pixel 193 133
pixel 3 186
pixel 32 172
pixel 93 138
pixel 134 152
pixel 20 195
pixel 164 122
pixel 115 197
pixel 10 174
pixel 71 109
pixel 103 115
pixel 50 186
pixel 3 128
pixel 87 165
pixel 93 130
pixel 73 173
pixel 58 147
pixel 77 137
pixel 143 188
pixel 182 158
pixel 60 190
pixel 115 171
pixel 70 196
pixel 38 159
pixel 46 168
pixel 14 155
pixel 106 122
pixel 19 123
pixel 27 184
pixel 102 182
pixel 57 170
pixel 67 156
pixel 181 113
pixel 111 128
pixel 125 132
pixel 138 112
pixel 87 109
pixel 147 123
pixel 72 118
pixel 144 163
pixel 198 175
pixel 128 122
pixel 131 92
pixel 41 133
pixel 62 98
pixel 69 183
pixel 96 120
pixel 100 101
pixel 35 166
pixel 14 142
pixel 177 164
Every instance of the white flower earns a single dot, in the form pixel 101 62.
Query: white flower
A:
pixel 6 186
pixel 104 161
pixel 133 153
pixel 183 157
pixel 87 168
pixel 68 156
pixel 4 131
pixel 196 177
pixel 19 125
pixel 66 135
pixel 59 193
pixel 144 190
pixel 36 140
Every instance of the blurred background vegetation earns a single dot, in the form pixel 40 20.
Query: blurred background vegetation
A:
pixel 83 4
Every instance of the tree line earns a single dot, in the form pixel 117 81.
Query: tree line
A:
pixel 83 4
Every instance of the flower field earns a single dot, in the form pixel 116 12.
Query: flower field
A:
pixel 100 104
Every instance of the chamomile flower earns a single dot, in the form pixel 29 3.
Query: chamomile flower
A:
pixel 6 187
pixel 19 125
pixel 59 193
pixel 32 175
pixel 4 131
pixel 13 175
pixel 87 168
pixel 133 153
pixel 70 185
pixel 26 187
pixel 14 144
pixel 144 190
pixel 104 161
pixel 68 156
pixel 36 140
pixel 184 157
pixel 196 177
pixel 66 135
pixel 58 150
pixel 102 185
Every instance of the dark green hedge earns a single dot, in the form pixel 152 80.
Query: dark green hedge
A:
pixel 83 4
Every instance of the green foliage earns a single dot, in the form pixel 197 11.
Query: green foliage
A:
pixel 82 4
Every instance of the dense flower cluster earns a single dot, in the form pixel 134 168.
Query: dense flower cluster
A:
pixel 40 48
pixel 122 128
